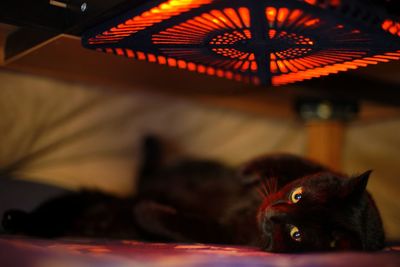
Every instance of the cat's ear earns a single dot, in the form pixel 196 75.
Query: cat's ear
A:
pixel 357 185
pixel 247 176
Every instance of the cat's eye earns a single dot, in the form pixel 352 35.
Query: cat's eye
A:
pixel 296 195
pixel 295 233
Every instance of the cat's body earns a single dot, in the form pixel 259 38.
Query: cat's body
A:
pixel 205 201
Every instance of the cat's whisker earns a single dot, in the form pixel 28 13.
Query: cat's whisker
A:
pixel 266 188
pixel 261 193
pixel 265 191
pixel 275 184
pixel 269 186
pixel 272 184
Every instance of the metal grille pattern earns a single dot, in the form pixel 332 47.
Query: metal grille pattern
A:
pixel 262 42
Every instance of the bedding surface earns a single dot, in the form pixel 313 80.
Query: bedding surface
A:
pixel 84 253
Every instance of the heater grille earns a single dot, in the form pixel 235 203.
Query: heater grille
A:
pixel 262 42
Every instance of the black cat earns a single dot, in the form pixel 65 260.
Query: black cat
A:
pixel 281 203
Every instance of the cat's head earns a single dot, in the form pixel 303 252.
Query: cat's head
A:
pixel 321 212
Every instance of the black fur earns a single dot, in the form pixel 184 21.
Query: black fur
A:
pixel 205 201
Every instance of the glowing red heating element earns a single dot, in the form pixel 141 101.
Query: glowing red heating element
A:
pixel 327 2
pixel 391 26
pixel 303 62
pixel 292 44
pixel 234 26
pixel 148 18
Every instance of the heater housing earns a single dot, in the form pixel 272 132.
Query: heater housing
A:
pixel 268 42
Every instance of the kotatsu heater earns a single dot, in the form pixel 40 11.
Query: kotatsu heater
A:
pixel 259 41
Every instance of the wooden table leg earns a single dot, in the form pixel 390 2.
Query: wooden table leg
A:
pixel 2 46
pixel 326 123
pixel 325 141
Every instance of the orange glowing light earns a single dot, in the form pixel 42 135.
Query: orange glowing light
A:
pixel 220 73
pixel 171 62
pixel 137 23
pixel 391 26
pixel 282 67
pixel 141 55
pixel 274 67
pixel 295 15
pixel 302 63
pixel 271 14
pixel 129 53
pixel 233 22
pixel 221 41
pixel 333 3
pixel 282 15
pixel 254 66
pixel 194 31
pixel 210 71
pixel 191 66
pixel 119 51
pixel 231 13
pixel 311 2
pixel 311 22
pixel 162 60
pixel 245 15
pixel 229 75
pixel 335 68
pixel 387 24
pixel 151 58
pixel 221 17
pixel 201 69
pixel 182 64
